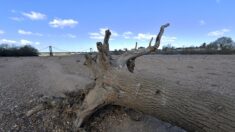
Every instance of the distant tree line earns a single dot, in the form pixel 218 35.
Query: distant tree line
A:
pixel 223 45
pixel 27 50
pixel 117 52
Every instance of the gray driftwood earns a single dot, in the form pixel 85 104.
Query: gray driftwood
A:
pixel 117 84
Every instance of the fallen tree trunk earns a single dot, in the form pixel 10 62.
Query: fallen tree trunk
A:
pixel 190 108
pixel 116 83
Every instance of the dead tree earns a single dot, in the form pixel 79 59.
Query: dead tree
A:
pixel 136 44
pixel 116 83
pixel 188 108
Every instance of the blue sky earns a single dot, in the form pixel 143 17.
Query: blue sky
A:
pixel 76 25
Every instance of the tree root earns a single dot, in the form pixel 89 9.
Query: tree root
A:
pixel 103 91
pixel 71 101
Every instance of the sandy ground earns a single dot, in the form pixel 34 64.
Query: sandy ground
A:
pixel 25 78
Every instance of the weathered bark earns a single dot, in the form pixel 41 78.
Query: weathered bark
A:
pixel 189 108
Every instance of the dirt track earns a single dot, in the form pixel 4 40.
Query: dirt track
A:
pixel 22 79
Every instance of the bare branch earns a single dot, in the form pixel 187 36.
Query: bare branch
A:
pixel 103 56
pixel 99 47
pixel 150 42
pixel 136 44
pixel 106 41
pixel 159 36
pixel 130 62
pixel 104 48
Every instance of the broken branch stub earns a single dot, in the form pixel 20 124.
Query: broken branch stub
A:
pixel 128 59
pixel 136 44
pixel 106 40
pixel 150 42
pixel 131 60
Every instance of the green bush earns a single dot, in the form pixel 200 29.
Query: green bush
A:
pixel 26 50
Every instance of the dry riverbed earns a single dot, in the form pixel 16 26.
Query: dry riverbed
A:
pixel 23 80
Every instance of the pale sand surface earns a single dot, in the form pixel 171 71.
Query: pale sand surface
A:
pixel 24 78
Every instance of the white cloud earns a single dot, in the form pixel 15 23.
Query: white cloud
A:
pixel 13 11
pixel 17 18
pixel 2 32
pixel 23 32
pixel 130 35
pixel 21 42
pixel 168 39
pixel 127 35
pixel 218 33
pixel 38 34
pixel 25 42
pixel 71 35
pixel 8 41
pixel 100 35
pixel 144 36
pixel 37 43
pixel 148 36
pixel 102 32
pixel 34 15
pixel 96 36
pixel 202 22
pixel 61 23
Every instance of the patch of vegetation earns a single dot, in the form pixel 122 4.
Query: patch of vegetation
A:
pixel 223 45
pixel 117 52
pixel 27 50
